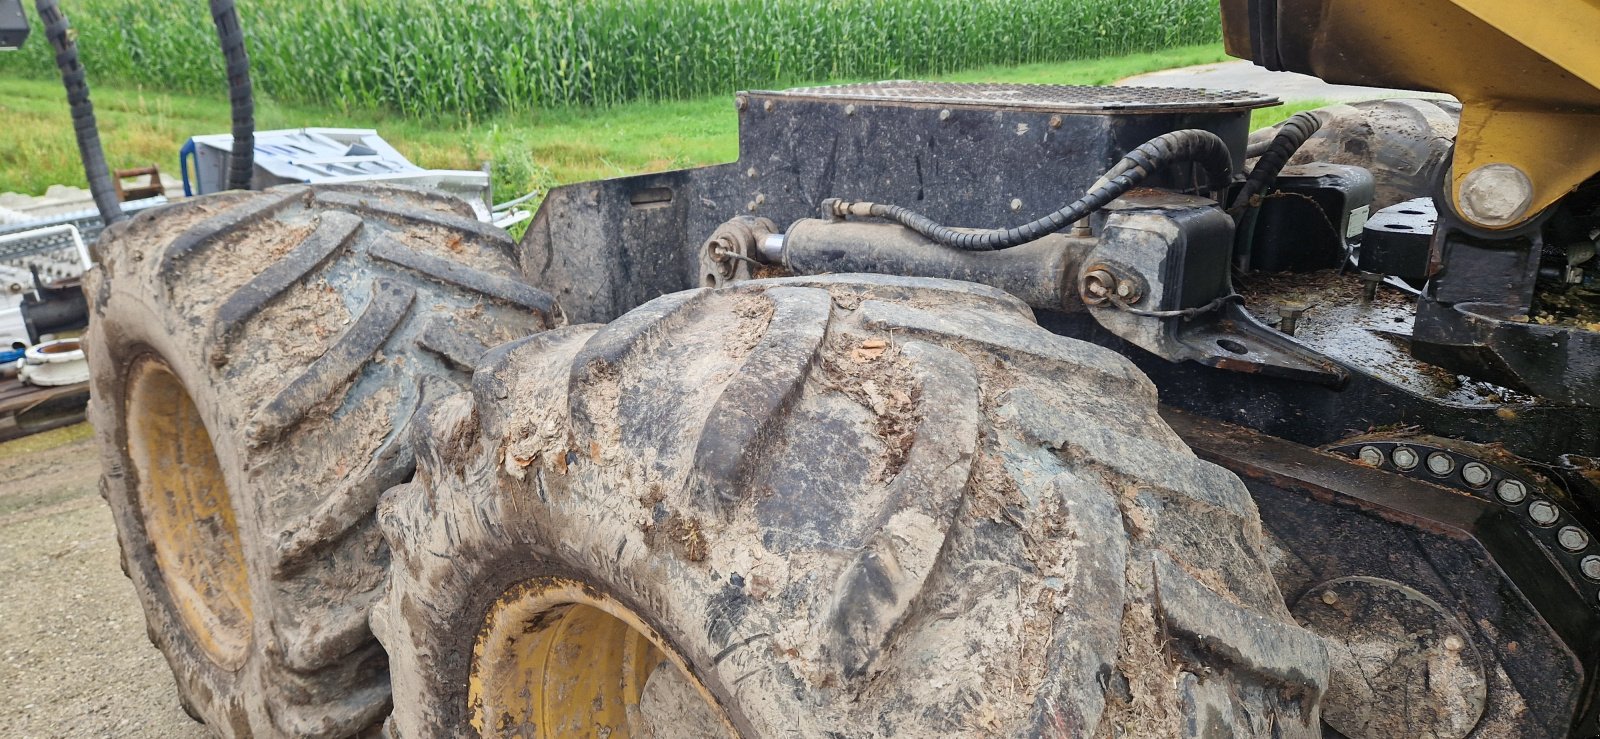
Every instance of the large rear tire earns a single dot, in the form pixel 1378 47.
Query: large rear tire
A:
pixel 257 362
pixel 833 506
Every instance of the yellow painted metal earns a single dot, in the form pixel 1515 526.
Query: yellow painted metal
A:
pixel 555 658
pixel 1562 31
pixel 188 514
pixel 1527 74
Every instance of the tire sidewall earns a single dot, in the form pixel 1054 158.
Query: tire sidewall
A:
pixel 130 332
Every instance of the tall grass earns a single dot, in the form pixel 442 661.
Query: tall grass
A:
pixel 475 57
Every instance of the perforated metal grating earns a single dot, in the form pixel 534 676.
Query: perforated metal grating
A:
pixel 1063 98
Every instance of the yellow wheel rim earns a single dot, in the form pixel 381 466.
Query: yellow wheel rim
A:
pixel 188 514
pixel 557 659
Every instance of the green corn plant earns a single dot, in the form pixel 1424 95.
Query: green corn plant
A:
pixel 478 57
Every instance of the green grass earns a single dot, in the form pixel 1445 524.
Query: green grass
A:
pixel 46 440
pixel 1269 116
pixel 538 149
pixel 486 56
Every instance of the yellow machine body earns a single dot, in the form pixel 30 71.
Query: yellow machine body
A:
pixel 1527 74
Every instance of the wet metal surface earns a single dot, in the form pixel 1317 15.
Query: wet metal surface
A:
pixel 1335 518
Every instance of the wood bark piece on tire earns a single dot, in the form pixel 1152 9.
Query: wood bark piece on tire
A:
pixel 832 506
pixel 256 370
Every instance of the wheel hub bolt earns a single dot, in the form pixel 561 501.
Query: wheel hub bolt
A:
pixel 1289 318
pixel 1404 457
pixel 1511 491
pixel 1372 456
pixel 1369 286
pixel 1440 463
pixel 1475 473
pixel 1591 567
pixel 1543 512
pixel 1572 538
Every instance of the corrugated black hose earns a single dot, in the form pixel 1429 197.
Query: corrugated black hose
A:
pixel 1290 137
pixel 1193 145
pixel 59 33
pixel 1247 204
pixel 241 166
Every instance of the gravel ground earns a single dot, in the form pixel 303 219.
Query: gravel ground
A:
pixel 76 662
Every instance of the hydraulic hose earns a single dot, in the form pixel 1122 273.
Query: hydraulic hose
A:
pixel 241 165
pixel 59 33
pixel 1193 145
pixel 1272 158
pixel 1290 137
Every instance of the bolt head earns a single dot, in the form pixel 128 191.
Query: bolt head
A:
pixel 850 109
pixel 1016 204
pixel 944 115
pixel 1543 512
pixel 767 106
pixel 1404 457
pixel 1495 194
pixel 1511 491
pixel 1591 567
pixel 741 102
pixel 1475 474
pixel 1097 284
pixel 1441 464
pixel 1572 538
pixel 1371 456
pixel 1055 121
pixel 1329 597
pixel 1124 289
pixel 1453 643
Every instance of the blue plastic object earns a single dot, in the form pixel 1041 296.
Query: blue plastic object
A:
pixel 183 166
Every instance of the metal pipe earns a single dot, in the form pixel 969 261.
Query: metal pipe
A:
pixel 1042 273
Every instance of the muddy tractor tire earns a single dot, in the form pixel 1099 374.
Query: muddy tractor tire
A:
pixel 833 506
pixel 258 359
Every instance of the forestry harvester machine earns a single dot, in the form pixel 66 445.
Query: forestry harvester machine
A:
pixel 1292 433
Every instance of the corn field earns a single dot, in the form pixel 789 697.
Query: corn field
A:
pixel 475 57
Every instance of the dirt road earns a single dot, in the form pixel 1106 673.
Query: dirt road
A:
pixel 74 660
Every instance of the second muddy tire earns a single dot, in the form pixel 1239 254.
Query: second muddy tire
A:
pixel 258 359
pixel 837 506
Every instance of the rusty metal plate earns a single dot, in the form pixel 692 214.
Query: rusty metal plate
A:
pixel 1061 98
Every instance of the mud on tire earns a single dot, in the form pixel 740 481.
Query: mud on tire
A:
pixel 258 360
pixel 847 506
